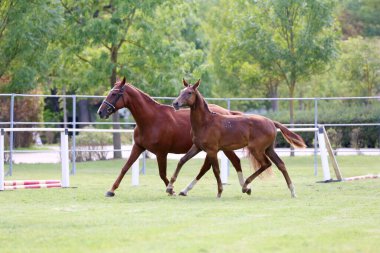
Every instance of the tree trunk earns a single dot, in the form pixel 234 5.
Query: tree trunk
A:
pixel 291 109
pixel 84 113
pixel 115 116
pixel 273 93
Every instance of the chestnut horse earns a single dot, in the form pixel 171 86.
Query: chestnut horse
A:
pixel 213 132
pixel 159 129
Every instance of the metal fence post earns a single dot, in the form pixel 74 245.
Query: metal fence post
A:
pixel 315 136
pixel 73 149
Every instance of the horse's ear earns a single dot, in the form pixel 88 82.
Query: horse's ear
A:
pixel 195 86
pixel 185 83
pixel 123 81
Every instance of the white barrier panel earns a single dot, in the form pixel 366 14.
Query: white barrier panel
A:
pixel 323 151
pixel 2 160
pixel 135 172
pixel 65 181
pixel 224 168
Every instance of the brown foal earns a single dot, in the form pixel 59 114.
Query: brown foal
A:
pixel 213 132
pixel 159 129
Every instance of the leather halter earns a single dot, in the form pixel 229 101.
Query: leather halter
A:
pixel 111 106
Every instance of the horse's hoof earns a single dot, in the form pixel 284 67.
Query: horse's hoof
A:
pixel 249 191
pixel 110 194
pixel 219 195
pixel 182 194
pixel 244 190
pixel 170 191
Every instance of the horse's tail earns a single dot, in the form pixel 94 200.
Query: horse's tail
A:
pixel 256 165
pixel 294 139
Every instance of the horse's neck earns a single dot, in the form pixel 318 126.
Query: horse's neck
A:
pixel 142 107
pixel 200 113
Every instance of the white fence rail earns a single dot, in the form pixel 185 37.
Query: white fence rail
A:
pixel 64 150
pixel 65 176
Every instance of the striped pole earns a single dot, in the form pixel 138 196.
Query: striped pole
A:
pixel 30 182
pixel 32 186
pixel 361 177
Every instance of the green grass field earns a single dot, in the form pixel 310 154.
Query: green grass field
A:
pixel 335 217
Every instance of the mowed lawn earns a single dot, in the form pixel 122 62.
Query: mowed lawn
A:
pixel 334 217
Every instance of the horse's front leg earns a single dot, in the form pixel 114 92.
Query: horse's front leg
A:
pixel 190 154
pixel 206 166
pixel 215 168
pixel 135 153
pixel 162 164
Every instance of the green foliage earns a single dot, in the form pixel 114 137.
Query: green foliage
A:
pixel 257 46
pixel 360 18
pixel 144 41
pixel 298 40
pixel 359 65
pixel 165 53
pixel 26 30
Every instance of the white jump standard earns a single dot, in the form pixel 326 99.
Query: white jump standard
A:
pixel 37 184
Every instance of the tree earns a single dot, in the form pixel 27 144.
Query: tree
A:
pixel 106 28
pixel 26 30
pixel 360 17
pixel 298 37
pixel 169 49
pixel 232 71
pixel 359 66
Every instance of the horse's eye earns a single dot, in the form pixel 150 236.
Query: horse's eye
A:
pixel 189 93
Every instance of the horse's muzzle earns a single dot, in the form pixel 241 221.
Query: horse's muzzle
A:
pixel 103 115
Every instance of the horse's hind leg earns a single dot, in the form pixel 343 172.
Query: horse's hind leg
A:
pixel 135 153
pixel 281 166
pixel 263 161
pixel 215 168
pixel 237 165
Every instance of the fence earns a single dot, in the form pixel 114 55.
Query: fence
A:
pixel 314 105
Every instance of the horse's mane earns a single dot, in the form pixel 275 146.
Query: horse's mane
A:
pixel 199 95
pixel 147 98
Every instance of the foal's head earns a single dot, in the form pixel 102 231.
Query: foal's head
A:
pixel 187 96
pixel 114 100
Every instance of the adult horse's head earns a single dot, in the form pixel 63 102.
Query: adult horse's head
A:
pixel 114 100
pixel 187 96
